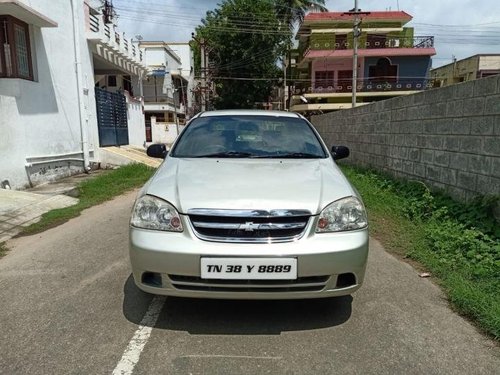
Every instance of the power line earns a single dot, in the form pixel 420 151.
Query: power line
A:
pixel 271 2
pixel 222 29
pixel 451 36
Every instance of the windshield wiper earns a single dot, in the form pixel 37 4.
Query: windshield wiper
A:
pixel 227 154
pixel 291 155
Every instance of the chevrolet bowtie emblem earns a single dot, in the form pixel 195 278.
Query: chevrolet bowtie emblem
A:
pixel 249 226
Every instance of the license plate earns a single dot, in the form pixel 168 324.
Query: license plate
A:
pixel 249 268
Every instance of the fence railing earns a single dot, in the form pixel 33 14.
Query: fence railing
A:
pixel 158 99
pixel 379 84
pixel 378 41
pixel 382 41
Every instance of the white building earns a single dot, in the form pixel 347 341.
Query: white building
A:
pixel 55 52
pixel 167 89
pixel 186 69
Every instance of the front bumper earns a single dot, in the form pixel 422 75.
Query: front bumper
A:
pixel 174 260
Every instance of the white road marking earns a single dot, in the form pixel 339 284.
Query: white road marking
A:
pixel 136 345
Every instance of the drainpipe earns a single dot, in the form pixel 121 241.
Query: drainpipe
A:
pixel 79 84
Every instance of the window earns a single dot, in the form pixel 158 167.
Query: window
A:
pixel 15 52
pixel 324 79
pixel 488 74
pixel 249 136
pixel 341 41
pixel 111 81
pixel 344 81
pixel 383 71
pixel 376 41
pixel 127 84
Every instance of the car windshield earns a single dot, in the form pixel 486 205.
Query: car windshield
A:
pixel 249 137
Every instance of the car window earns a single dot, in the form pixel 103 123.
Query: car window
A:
pixel 249 136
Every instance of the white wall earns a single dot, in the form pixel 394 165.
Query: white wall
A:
pixel 154 56
pixel 41 118
pixel 489 62
pixel 136 123
pixel 162 132
pixel 183 50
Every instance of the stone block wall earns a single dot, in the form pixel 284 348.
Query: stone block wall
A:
pixel 448 137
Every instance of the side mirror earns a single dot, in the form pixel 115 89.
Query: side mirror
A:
pixel 340 152
pixel 157 151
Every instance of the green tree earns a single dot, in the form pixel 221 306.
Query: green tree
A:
pixel 244 39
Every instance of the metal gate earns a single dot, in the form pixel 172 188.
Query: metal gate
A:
pixel 111 118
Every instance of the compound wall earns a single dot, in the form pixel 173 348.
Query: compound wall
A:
pixel 448 137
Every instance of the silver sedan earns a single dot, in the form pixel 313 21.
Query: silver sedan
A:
pixel 249 205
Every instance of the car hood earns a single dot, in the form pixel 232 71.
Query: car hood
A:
pixel 264 184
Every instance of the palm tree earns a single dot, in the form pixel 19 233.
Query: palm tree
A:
pixel 293 11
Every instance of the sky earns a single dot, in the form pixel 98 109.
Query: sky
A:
pixel 461 28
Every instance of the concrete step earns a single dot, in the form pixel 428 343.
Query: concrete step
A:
pixel 126 155
pixel 135 151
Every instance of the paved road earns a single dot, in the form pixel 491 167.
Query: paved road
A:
pixel 68 306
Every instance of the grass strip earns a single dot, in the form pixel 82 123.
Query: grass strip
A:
pixel 458 243
pixel 93 192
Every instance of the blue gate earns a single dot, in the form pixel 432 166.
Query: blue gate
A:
pixel 111 118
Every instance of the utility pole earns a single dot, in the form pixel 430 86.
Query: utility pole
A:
pixel 284 81
pixel 208 78
pixel 182 92
pixel 356 32
pixel 203 75
pixel 204 70
pixel 174 91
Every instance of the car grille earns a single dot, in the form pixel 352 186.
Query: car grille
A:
pixel 301 284
pixel 249 226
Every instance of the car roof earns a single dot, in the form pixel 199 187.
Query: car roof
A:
pixel 249 112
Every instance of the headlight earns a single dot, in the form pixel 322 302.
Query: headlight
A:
pixel 342 215
pixel 154 213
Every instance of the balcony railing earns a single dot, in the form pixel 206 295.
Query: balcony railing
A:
pixel 107 31
pixel 98 30
pixel 379 84
pixel 160 98
pixel 94 23
pixel 397 42
pixel 382 41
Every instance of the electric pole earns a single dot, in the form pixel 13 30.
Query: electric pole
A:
pixel 203 75
pixel 204 69
pixel 284 81
pixel 356 32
